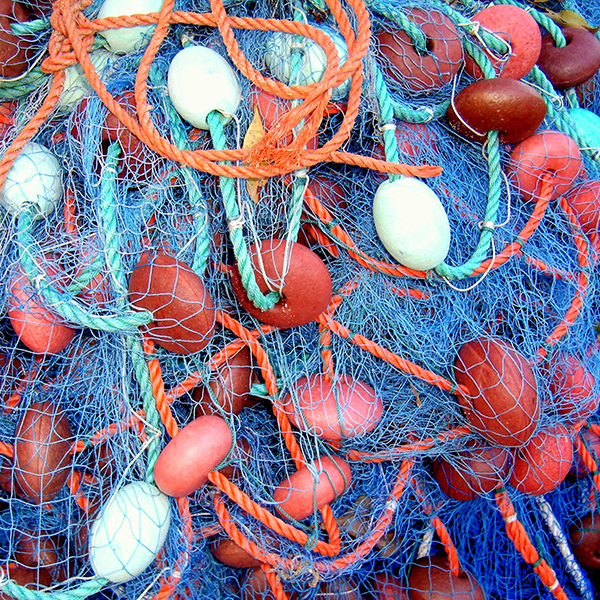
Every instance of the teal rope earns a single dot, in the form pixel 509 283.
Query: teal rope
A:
pixel 14 89
pixel 491 212
pixel 108 208
pixel 491 41
pixel 86 589
pixel 296 205
pixel 299 177
pixel 195 198
pixel 544 20
pixel 113 259
pixel 62 304
pixel 142 374
pixel 419 115
pixel 236 234
pixel 87 275
pixel 391 12
pixel 561 117
pixel 386 110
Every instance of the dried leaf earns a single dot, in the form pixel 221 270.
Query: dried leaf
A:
pixel 416 393
pixel 254 134
pixel 256 131
pixel 253 186
pixel 569 18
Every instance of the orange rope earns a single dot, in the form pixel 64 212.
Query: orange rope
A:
pixel 517 534
pixel 590 462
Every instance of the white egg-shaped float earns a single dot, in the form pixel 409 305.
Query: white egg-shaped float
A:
pixel 130 531
pixel 200 81
pixel 281 48
pixel 411 223
pixel 35 179
pixel 128 39
pixel 76 84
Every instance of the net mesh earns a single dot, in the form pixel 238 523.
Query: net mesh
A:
pixel 222 379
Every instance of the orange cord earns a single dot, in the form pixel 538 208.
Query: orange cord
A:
pixel 519 537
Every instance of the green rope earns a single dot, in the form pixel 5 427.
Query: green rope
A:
pixel 235 219
pixel 491 212
pixel 544 20
pixel 391 12
pixel 29 27
pixel 420 114
pixel 142 374
pixel 195 197
pixel 18 87
pixel 87 275
pixel 386 110
pixel 113 260
pixel 491 41
pixel 561 117
pixel 108 208
pixel 86 589
pixel 60 303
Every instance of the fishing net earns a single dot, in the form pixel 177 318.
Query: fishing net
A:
pixel 300 300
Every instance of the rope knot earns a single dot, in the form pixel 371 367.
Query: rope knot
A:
pixel 60 47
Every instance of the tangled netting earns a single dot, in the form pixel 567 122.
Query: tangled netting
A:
pixel 350 418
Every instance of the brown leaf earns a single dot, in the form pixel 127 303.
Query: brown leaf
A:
pixel 253 186
pixel 256 131
pixel 568 18
pixel 254 134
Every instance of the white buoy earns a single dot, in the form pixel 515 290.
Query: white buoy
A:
pixel 313 61
pixel 411 223
pixel 35 179
pixel 200 81
pixel 128 39
pixel 76 84
pixel 130 531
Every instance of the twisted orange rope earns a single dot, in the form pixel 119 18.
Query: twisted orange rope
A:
pixel 517 534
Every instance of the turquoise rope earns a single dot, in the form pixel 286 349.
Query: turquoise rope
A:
pixel 195 198
pixel 544 20
pixel 14 89
pixel 391 12
pixel 386 110
pixel 29 27
pixel 419 115
pixel 299 177
pixel 86 589
pixel 108 208
pixel 561 117
pixel 236 234
pixel 113 260
pixel 142 374
pixel 62 304
pixel 87 275
pixel 491 212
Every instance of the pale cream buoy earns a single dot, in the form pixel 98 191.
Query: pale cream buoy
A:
pixel 34 179
pixel 411 223
pixel 200 81
pixel 129 532
pixel 128 39
pixel 77 85
pixel 278 58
